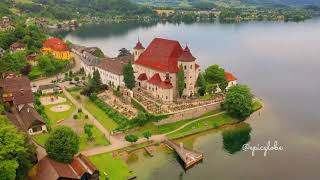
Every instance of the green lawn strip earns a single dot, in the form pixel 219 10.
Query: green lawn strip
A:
pixel 205 124
pixel 257 104
pixel 75 93
pixel 56 116
pixel 114 167
pixel 99 140
pixel 172 126
pixel 102 117
pixel 40 138
pixel 147 127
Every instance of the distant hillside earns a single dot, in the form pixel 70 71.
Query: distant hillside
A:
pixel 186 3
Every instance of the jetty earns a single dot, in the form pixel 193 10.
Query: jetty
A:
pixel 188 156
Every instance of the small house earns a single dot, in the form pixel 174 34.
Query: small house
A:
pixel 15 47
pixel 49 89
pixel 231 79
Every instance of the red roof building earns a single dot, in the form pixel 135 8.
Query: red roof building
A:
pixel 55 44
pixel 229 76
pixel 139 46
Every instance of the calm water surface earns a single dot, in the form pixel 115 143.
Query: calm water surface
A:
pixel 279 61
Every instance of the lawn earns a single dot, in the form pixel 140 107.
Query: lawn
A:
pixel 205 124
pixel 257 105
pixel 114 167
pixel 56 116
pixel 75 93
pixel 99 139
pixel 102 117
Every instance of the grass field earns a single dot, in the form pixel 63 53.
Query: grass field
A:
pixel 114 167
pixel 104 119
pixel 99 139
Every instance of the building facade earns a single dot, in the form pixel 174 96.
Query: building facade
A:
pixel 57 48
pixel 156 68
pixel 6 24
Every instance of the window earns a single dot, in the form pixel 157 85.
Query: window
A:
pixel 185 85
pixel 185 67
pixel 190 66
pixel 166 97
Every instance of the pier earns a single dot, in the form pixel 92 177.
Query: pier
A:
pixel 188 156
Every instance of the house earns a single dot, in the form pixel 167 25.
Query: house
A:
pixel 15 47
pixel 89 62
pixel 231 79
pixel 165 12
pixel 81 168
pixel 6 24
pixel 31 59
pixel 57 48
pixel 49 89
pixel 111 70
pixel 17 94
pixel 156 68
pixel 2 52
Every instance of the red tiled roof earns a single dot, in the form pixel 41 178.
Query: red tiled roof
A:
pixel 186 55
pixel 229 76
pixel 142 77
pixel 162 55
pixel 17 45
pixel 56 44
pixel 156 80
pixel 138 46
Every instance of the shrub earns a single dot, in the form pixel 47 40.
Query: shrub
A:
pixel 79 110
pixel 131 138
pixel 75 116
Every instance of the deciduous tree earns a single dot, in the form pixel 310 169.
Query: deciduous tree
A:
pixel 131 138
pixel 201 84
pixel 88 131
pixel 62 144
pixel 239 101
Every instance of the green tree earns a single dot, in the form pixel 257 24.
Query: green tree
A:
pixel 201 84
pixel 88 131
pixel 147 134
pixel 128 76
pixel 239 101
pixel 181 81
pixel 123 52
pixel 16 154
pixel 215 75
pixel 13 62
pixel 62 144
pixel 131 138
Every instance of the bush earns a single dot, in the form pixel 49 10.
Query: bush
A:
pixel 75 116
pixel 79 110
pixel 86 116
pixel 131 138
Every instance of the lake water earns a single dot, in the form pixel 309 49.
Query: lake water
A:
pixel 279 61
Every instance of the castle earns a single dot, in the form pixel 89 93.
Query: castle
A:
pixel 156 68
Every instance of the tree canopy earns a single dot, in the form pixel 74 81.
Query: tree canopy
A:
pixel 123 52
pixel 16 154
pixel 239 101
pixel 214 74
pixel 128 76
pixel 181 81
pixel 94 84
pixel 201 84
pixel 62 144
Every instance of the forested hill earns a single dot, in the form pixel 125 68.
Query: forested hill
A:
pixel 190 3
pixel 68 9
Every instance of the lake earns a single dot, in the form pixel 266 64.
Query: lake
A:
pixel 279 61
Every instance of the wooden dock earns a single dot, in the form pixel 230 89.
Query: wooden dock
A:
pixel 188 156
pixel 148 151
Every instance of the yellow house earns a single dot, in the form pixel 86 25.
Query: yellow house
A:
pixel 166 12
pixel 57 48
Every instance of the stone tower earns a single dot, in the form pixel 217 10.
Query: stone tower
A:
pixel 190 73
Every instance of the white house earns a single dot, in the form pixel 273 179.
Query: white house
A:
pixel 232 80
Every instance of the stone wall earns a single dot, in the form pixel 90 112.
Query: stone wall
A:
pixel 190 113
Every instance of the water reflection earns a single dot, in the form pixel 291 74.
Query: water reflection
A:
pixel 235 137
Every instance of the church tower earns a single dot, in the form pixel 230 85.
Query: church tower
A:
pixel 138 50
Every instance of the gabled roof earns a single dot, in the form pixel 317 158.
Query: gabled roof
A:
pixel 23 97
pixel 162 55
pixel 89 59
pixel 55 44
pixel 114 65
pixel 30 117
pixel 186 55
pixel 229 76
pixel 142 77
pixel 14 84
pixel 156 80
pixel 49 169
pixel 17 45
